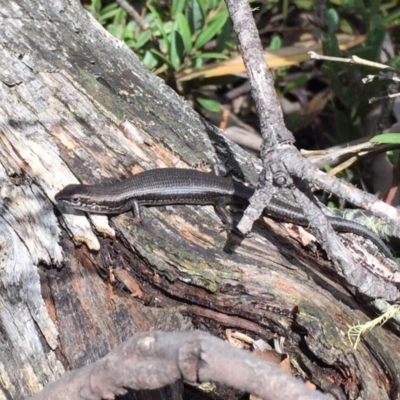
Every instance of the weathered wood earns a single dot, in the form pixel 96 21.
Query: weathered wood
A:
pixel 76 105
pixel 153 359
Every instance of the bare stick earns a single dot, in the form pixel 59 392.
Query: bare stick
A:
pixel 353 60
pixel 277 140
pixel 282 161
pixel 156 359
pixel 132 12
pixel 272 125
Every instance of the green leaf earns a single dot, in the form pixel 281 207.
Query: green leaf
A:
pixel 128 32
pixel 212 55
pixel 276 43
pixel 293 120
pixel 330 46
pixel 120 17
pixel 95 7
pixel 214 3
pixel 112 6
pixel 136 42
pixel 393 156
pixel 195 16
pixel 295 83
pixel 391 17
pixel 346 27
pixel 224 36
pixel 108 15
pixel 363 10
pixel 304 4
pixel 387 138
pixel 395 62
pixel 150 60
pixel 184 30
pixel 130 43
pixel 142 39
pixel 176 48
pixel 132 25
pixel 212 30
pixel 160 26
pixel 375 37
pixel 177 7
pixel 332 20
pixel 344 127
pixel 115 30
pixel 162 57
pixel 209 104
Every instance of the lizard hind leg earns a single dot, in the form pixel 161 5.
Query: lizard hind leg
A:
pixel 224 214
pixel 137 216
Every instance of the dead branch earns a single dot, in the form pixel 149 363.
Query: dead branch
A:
pixel 151 360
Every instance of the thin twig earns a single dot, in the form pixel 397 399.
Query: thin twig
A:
pixel 272 125
pixel 339 154
pixel 353 60
pixel 133 13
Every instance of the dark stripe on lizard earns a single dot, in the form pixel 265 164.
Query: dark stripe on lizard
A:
pixel 185 186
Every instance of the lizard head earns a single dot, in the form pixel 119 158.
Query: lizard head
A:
pixel 75 196
pixel 91 198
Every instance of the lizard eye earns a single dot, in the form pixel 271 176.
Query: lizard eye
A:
pixel 75 200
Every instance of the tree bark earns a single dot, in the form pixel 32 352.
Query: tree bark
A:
pixel 76 105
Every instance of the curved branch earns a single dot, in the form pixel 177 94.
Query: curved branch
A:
pixel 152 360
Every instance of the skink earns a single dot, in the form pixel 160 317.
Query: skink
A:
pixel 185 186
